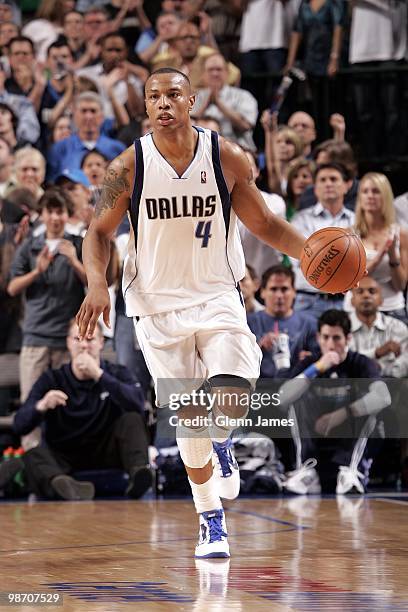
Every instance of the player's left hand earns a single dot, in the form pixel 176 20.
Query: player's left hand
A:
pixel 96 302
pixel 329 421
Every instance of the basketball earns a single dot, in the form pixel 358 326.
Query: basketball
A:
pixel 333 260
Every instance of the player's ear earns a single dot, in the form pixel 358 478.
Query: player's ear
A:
pixel 191 102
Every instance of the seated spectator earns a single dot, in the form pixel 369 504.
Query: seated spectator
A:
pixel 282 145
pixel 75 184
pixel 190 57
pixel 29 170
pixel 305 127
pixel 337 152
pixel 28 128
pixel 48 270
pixel 258 254
pixel 386 243
pixel 331 185
pixel 92 415
pixel 88 118
pixel 62 129
pixel 249 285
pixel 343 408
pixel 235 109
pixel 9 11
pixel 26 76
pixel 94 166
pixel 284 336
pixel 376 335
pixel 97 23
pixel 7 181
pixel 127 78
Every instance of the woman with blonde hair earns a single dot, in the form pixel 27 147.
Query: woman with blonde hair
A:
pixel 385 242
pixel 282 145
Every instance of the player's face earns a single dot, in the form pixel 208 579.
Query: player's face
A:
pixel 302 179
pixel 370 197
pixel 278 295
pixel 168 101
pixel 367 297
pixel 332 338
pixel 330 186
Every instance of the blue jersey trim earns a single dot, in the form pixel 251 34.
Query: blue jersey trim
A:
pixel 221 183
pixel 137 188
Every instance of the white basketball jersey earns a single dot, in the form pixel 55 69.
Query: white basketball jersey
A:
pixel 184 245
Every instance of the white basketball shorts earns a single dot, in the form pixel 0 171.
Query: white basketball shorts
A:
pixel 183 348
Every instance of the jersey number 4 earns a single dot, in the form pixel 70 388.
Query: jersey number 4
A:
pixel 203 231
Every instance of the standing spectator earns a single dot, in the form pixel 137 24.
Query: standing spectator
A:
pixel 378 39
pixel 94 165
pixel 282 145
pixel 304 125
pixel 88 118
pixel 75 185
pixel 9 11
pixel 190 57
pixel 92 415
pixel 300 177
pixel 150 45
pixel 128 84
pixel 386 244
pixel 235 109
pixel 283 334
pixel 48 269
pixel 319 26
pixel 8 30
pixel 62 129
pixel 8 125
pixel 29 168
pixel 331 184
pixel 376 335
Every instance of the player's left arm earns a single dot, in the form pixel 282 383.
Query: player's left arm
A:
pixel 250 206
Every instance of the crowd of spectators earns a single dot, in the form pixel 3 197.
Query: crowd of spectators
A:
pixel 71 99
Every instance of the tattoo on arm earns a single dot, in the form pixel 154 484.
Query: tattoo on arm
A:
pixel 114 184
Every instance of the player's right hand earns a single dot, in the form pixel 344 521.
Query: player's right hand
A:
pixel 96 302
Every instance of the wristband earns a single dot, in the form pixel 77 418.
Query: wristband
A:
pixel 312 371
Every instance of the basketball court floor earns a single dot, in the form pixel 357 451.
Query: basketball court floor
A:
pixel 294 553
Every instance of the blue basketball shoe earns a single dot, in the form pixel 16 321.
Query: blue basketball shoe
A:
pixel 226 470
pixel 212 536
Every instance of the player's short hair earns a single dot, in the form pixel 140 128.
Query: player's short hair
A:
pixel 169 70
pixel 278 269
pixel 335 318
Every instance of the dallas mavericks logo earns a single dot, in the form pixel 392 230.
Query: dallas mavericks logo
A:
pixel 203 177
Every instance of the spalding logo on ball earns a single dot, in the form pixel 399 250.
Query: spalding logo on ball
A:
pixel 333 260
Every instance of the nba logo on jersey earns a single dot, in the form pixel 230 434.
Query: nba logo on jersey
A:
pixel 203 177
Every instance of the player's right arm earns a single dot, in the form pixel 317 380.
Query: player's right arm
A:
pixel 113 203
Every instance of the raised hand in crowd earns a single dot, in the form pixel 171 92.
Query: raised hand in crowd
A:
pixel 43 260
pixel 22 230
pixel 338 125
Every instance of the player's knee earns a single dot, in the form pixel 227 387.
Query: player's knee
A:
pixel 232 396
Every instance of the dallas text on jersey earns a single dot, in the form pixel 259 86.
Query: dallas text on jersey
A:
pixel 184 206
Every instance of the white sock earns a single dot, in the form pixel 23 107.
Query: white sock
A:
pixel 205 496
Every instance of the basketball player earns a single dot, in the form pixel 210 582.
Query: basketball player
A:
pixel 183 188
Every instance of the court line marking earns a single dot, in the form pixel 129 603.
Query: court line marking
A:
pixel 132 542
pixel 294 526
pixel 390 501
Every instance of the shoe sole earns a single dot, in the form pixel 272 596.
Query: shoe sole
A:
pixel 73 490
pixel 143 482
pixel 214 555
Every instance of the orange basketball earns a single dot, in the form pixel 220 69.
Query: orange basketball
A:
pixel 333 260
